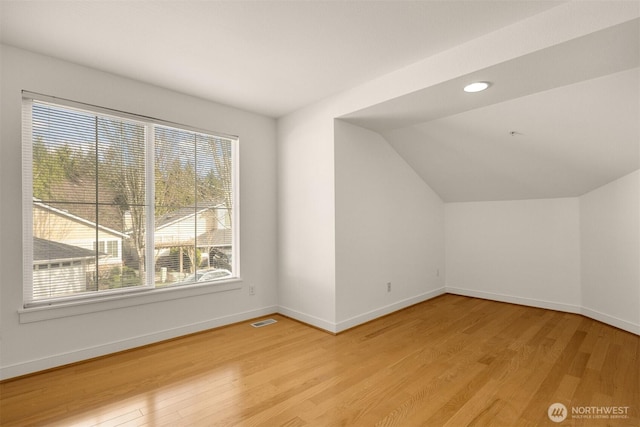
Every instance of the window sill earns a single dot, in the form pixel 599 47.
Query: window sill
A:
pixel 151 296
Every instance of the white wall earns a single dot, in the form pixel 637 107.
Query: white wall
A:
pixel 523 251
pixel 26 347
pixel 307 185
pixel 389 228
pixel 306 240
pixel 610 249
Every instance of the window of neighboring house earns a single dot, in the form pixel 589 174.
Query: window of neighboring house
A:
pixel 139 199
pixel 107 247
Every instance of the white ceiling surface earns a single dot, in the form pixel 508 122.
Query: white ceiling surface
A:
pixel 575 108
pixel 597 54
pixel 570 140
pixel 270 57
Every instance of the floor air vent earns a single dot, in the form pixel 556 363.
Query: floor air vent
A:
pixel 263 323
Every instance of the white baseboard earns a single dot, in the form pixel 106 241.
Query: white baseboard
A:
pixel 569 308
pixel 611 320
pixel 308 319
pixel 48 362
pixel 387 309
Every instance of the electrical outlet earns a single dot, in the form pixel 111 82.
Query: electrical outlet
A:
pixel 388 286
pixel 252 290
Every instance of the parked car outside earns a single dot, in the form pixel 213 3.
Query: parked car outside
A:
pixel 206 276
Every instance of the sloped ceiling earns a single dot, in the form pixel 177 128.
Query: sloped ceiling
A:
pixel 568 141
pixel 574 107
pixel 557 123
pixel 270 57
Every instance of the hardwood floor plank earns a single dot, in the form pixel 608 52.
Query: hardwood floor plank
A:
pixel 453 360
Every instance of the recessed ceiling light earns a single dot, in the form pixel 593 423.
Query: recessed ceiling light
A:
pixel 476 87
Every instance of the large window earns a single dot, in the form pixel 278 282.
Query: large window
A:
pixel 116 202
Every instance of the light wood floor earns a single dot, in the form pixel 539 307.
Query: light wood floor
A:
pixel 452 360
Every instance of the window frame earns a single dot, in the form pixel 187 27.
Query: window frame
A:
pixel 105 245
pixel 148 288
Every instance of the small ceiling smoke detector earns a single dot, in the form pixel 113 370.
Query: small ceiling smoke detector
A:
pixel 476 87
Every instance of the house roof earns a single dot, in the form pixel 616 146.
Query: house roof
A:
pixel 47 250
pixel 181 214
pixel 210 238
pixel 76 196
pixel 215 238
pixel 77 218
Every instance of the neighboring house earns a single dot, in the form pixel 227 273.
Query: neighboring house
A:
pixel 61 269
pixel 60 226
pixel 208 228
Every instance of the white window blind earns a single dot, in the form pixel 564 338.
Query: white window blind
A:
pixel 118 202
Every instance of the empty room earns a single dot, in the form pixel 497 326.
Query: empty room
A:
pixel 319 213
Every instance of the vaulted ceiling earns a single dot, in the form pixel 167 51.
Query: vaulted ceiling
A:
pixel 555 123
pixel 270 57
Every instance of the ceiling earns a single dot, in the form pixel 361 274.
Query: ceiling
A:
pixel 574 107
pixel 269 57
pixel 568 141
